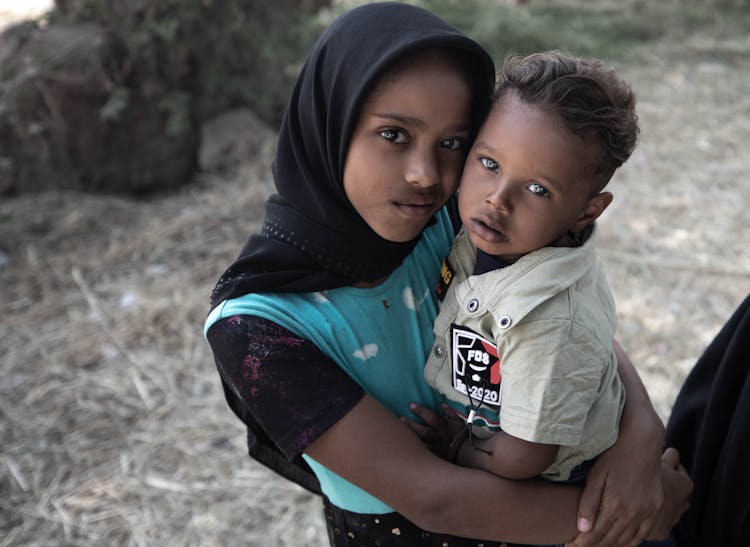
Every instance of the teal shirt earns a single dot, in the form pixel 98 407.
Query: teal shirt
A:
pixel 379 336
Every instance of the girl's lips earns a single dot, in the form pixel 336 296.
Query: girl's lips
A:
pixel 487 230
pixel 415 210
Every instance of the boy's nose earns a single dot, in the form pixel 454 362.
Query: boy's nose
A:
pixel 501 199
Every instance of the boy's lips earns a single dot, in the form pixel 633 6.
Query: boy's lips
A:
pixel 488 229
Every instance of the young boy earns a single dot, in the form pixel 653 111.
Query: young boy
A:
pixel 523 350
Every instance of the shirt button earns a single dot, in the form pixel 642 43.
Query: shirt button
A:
pixel 505 322
pixel 473 305
pixel 439 350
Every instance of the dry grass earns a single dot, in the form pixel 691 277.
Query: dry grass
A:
pixel 113 429
pixel 675 239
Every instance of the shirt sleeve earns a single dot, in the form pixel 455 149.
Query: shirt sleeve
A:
pixel 551 375
pixel 293 390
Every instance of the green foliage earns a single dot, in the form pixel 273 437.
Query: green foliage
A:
pixel 525 29
pixel 196 58
pixel 115 105
pixel 600 29
pixel 177 107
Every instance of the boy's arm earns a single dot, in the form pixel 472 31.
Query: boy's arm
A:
pixel 507 456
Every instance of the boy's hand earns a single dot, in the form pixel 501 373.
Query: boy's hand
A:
pixel 438 431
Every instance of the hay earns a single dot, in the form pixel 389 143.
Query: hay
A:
pixel 675 238
pixel 113 429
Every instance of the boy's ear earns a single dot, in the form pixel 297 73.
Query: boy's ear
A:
pixel 594 208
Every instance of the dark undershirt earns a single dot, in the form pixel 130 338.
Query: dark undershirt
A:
pixel 290 387
pixel 487 263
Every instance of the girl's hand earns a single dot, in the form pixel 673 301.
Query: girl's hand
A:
pixel 626 529
pixel 623 496
pixel 438 431
pixel 625 490
pixel 677 489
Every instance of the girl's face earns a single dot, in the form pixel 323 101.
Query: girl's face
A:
pixel 408 147
pixel 527 181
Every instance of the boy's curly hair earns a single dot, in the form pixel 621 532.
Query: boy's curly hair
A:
pixel 588 96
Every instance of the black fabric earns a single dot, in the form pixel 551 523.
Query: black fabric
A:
pixel 312 238
pixel 488 263
pixel 453 214
pixel 347 529
pixel 710 426
pixel 283 387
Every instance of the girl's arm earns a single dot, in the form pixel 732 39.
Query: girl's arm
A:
pixel 322 411
pixel 625 486
pixel 624 494
pixel 373 449
pixel 361 440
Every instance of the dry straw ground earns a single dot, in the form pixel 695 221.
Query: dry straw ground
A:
pixel 113 429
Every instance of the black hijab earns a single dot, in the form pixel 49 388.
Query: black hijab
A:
pixel 312 238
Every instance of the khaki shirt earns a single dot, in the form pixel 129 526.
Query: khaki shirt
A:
pixel 532 343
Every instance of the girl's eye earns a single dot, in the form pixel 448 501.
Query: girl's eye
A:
pixel 538 190
pixel 489 163
pixel 393 135
pixel 453 143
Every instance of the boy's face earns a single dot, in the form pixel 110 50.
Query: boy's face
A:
pixel 408 148
pixel 527 181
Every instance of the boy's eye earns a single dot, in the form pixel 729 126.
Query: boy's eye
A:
pixel 393 135
pixel 489 163
pixel 454 143
pixel 539 190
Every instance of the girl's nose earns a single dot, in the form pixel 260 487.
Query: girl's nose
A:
pixel 422 168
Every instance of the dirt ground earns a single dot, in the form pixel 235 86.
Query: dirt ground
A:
pixel 113 428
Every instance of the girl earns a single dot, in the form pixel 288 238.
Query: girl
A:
pixel 320 327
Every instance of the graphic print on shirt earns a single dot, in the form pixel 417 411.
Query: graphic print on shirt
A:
pixel 475 365
pixel 410 300
pixel 367 351
pixel 446 276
